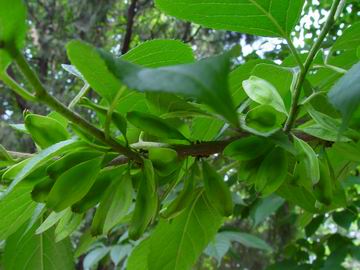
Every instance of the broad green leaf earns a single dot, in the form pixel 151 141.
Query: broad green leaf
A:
pixel 42 157
pixel 307 155
pixel 265 207
pixel 218 247
pixel 37 252
pixel 346 44
pixel 345 95
pixel 138 259
pixel 318 131
pixel 50 221
pixel 119 252
pixel 45 131
pixel 165 160
pixel 177 244
pixel 257 17
pixel 114 205
pixel 160 53
pixel 216 190
pixel 96 193
pixel 282 78
pixel 238 75
pixel 247 240
pixel 263 120
pixel 154 125
pixel 94 257
pixel 299 196
pixel 206 80
pixel 12 29
pixel 15 209
pixel 272 172
pixel 73 184
pixel 67 225
pixel 264 93
pixel 247 148
pixel 205 129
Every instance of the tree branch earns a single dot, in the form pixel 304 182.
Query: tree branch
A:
pixel 43 96
pixel 129 26
pixel 301 78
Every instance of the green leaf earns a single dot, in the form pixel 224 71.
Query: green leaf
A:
pixel 272 172
pixel 94 257
pixel 299 196
pixel 345 94
pixel 119 252
pixel 73 184
pixel 15 209
pixel 177 244
pixel 160 53
pixel 257 17
pixel 262 120
pixel 12 29
pixel 42 157
pixel 247 240
pixel 307 155
pixel 237 76
pixel 154 125
pixel 264 93
pixel 346 45
pixel 5 158
pixel 50 221
pixel 206 80
pixel 246 148
pixel 114 205
pixel 216 190
pixel 265 207
pixel 37 252
pixel 138 259
pixel 45 131
pixel 67 225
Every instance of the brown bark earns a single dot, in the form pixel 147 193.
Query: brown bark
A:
pixel 129 26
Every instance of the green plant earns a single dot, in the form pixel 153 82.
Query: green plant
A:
pixel 171 130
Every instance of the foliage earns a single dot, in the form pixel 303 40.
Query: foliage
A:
pixel 172 144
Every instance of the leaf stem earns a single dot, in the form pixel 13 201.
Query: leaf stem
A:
pixel 16 87
pixel 84 90
pixel 43 96
pixel 301 78
pixel 295 53
pixel 111 110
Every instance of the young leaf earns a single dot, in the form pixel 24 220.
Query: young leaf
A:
pixel 67 225
pixel 154 125
pixel 265 207
pixel 45 131
pixel 264 93
pixel 42 157
pixel 15 209
pixel 94 257
pixel 216 190
pixel 114 205
pixel 177 244
pixel 12 29
pixel 73 184
pixel 247 148
pixel 310 159
pixel 146 205
pixel 263 120
pixel 25 250
pixel 272 172
pixel 263 18
pixel 96 193
pixel 165 160
pixel 345 94
pixel 247 240
pixel 5 158
pixel 50 221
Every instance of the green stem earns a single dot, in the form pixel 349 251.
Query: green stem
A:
pixel 313 51
pixel 295 53
pixel 81 94
pixel 16 87
pixel 45 97
pixel 110 112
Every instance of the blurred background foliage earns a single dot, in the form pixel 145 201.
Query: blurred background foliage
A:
pixel 119 25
